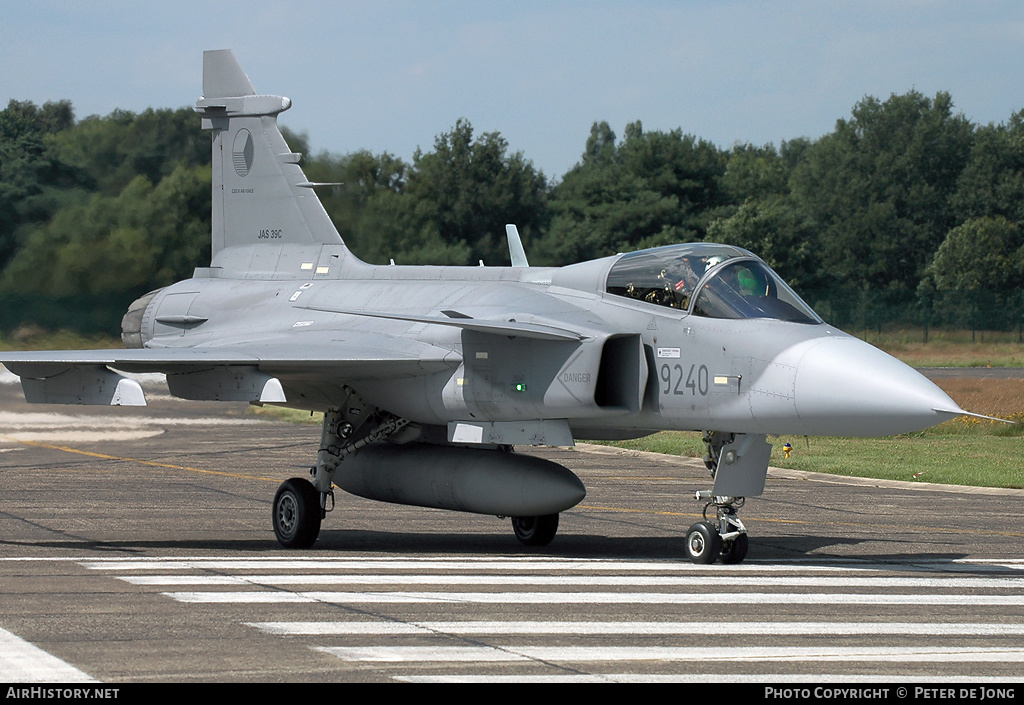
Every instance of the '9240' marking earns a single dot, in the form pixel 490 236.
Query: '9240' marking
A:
pixel 693 382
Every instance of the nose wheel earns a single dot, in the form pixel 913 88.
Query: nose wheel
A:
pixel 736 550
pixel 703 543
pixel 726 539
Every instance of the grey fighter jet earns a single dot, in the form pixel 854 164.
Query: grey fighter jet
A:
pixel 429 376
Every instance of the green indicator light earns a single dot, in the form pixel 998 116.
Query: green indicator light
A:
pixel 520 387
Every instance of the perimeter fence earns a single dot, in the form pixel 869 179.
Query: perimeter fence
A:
pixel 87 314
pixel 978 312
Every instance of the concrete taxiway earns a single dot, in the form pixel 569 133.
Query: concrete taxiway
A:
pixel 135 545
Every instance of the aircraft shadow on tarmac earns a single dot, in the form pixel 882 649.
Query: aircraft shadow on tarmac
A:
pixel 595 546
pixel 768 551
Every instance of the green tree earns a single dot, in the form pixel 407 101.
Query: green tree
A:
pixel 456 201
pixel 114 149
pixel 880 186
pixel 982 253
pixel 143 237
pixel 600 149
pixel 31 173
pixel 654 188
pixel 755 172
pixel 777 231
pixel 363 207
pixel 992 183
pixel 977 274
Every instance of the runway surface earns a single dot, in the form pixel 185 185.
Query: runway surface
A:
pixel 137 547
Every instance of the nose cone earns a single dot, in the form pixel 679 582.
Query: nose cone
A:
pixel 845 387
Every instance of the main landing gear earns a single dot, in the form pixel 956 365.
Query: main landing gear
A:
pixel 416 467
pixel 297 513
pixel 535 531
pixel 301 505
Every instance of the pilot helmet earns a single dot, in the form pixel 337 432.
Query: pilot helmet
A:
pixel 747 281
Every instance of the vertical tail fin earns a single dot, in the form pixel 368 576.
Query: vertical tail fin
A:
pixel 260 194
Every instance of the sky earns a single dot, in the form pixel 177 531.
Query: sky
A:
pixel 392 75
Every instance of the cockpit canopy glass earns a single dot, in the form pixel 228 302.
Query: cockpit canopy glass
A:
pixel 703 278
pixel 750 289
pixel 667 276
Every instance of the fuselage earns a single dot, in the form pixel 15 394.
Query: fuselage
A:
pixel 643 354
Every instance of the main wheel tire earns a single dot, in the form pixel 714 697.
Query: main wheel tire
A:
pixel 703 543
pixel 535 531
pixel 736 550
pixel 297 513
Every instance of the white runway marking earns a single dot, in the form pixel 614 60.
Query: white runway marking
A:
pixel 325 563
pixel 592 598
pixel 22 662
pixel 558 654
pixel 715 678
pixel 322 563
pixel 43 427
pixel 577 580
pixel 75 436
pixel 555 628
pixel 921 649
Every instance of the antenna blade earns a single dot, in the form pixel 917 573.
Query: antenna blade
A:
pixel 515 247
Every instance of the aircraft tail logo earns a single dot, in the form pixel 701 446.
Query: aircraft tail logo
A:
pixel 242 152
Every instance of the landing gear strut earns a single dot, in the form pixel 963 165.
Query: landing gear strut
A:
pixel 724 537
pixel 300 505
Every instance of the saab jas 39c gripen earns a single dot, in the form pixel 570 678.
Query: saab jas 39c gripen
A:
pixel 429 375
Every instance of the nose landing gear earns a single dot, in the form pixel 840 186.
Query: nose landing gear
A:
pixel 725 538
pixel 738 464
